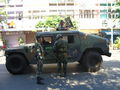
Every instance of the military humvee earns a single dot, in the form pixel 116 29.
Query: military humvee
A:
pixel 84 48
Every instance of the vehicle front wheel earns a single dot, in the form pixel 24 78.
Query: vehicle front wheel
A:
pixel 92 61
pixel 16 64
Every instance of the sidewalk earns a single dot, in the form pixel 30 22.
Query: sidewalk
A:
pixel 2 58
pixel 1 53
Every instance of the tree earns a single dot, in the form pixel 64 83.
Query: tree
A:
pixel 117 43
pixel 118 9
pixel 40 24
pixel 52 22
pixel 2 15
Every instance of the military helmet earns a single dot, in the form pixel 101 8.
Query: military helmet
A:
pixel 59 36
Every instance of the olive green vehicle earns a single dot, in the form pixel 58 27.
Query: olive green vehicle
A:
pixel 83 48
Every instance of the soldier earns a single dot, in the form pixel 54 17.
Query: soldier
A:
pixel 39 58
pixel 60 49
pixel 61 26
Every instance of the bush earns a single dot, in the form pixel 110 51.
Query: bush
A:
pixel 117 43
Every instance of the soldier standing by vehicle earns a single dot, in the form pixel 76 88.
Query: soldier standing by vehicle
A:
pixel 60 49
pixel 39 57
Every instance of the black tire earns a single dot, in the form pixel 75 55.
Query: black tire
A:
pixel 16 64
pixel 92 61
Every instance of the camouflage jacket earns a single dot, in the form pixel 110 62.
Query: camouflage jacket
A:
pixel 60 46
pixel 39 51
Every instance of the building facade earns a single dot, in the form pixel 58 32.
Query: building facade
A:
pixel 92 17
pixel 108 16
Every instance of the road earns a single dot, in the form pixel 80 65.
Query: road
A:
pixel 108 78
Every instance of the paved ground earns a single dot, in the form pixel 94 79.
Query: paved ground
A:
pixel 108 78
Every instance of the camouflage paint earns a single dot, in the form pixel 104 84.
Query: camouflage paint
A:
pixel 82 42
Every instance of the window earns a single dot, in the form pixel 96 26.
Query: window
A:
pixel 103 4
pixel 19 5
pixel 36 11
pixel 29 11
pixel 87 14
pixel 104 16
pixel 43 10
pixel 52 4
pixel 10 12
pixel 109 4
pixel 70 39
pixel 109 15
pixel 20 15
pixel 80 14
pixel 11 17
pixel 61 4
pixel 93 13
pixel 70 4
pixel 46 40
pixel 2 6
pixel 53 10
pixel 11 5
pixel 103 11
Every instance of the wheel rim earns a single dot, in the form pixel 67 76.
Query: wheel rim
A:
pixel 94 60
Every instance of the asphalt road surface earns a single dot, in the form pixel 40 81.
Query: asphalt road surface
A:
pixel 108 78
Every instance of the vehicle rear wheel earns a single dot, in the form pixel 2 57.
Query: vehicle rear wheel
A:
pixel 92 61
pixel 16 64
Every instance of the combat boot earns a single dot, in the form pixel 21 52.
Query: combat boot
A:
pixel 39 81
pixel 63 75
pixel 41 78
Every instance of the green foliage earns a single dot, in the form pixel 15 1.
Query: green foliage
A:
pixel 40 24
pixel 2 0
pixel 2 12
pixel 4 41
pixel 118 10
pixel 52 22
pixel 117 41
pixel 20 40
pixel 74 25
pixel 118 3
pixel 2 15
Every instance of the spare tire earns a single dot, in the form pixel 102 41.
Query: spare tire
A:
pixel 16 64
pixel 92 61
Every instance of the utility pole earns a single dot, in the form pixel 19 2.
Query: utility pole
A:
pixel 110 19
pixel 112 36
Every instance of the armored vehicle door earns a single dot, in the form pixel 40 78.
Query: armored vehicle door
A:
pixel 73 46
pixel 47 44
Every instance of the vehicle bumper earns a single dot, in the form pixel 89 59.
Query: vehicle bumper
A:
pixel 108 54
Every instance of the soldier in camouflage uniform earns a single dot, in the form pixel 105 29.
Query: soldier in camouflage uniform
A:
pixel 39 58
pixel 60 49
pixel 61 26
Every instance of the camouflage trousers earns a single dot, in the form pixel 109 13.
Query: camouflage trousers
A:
pixel 62 64
pixel 39 68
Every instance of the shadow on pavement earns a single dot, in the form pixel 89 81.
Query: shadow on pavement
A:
pixel 52 68
pixel 108 78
